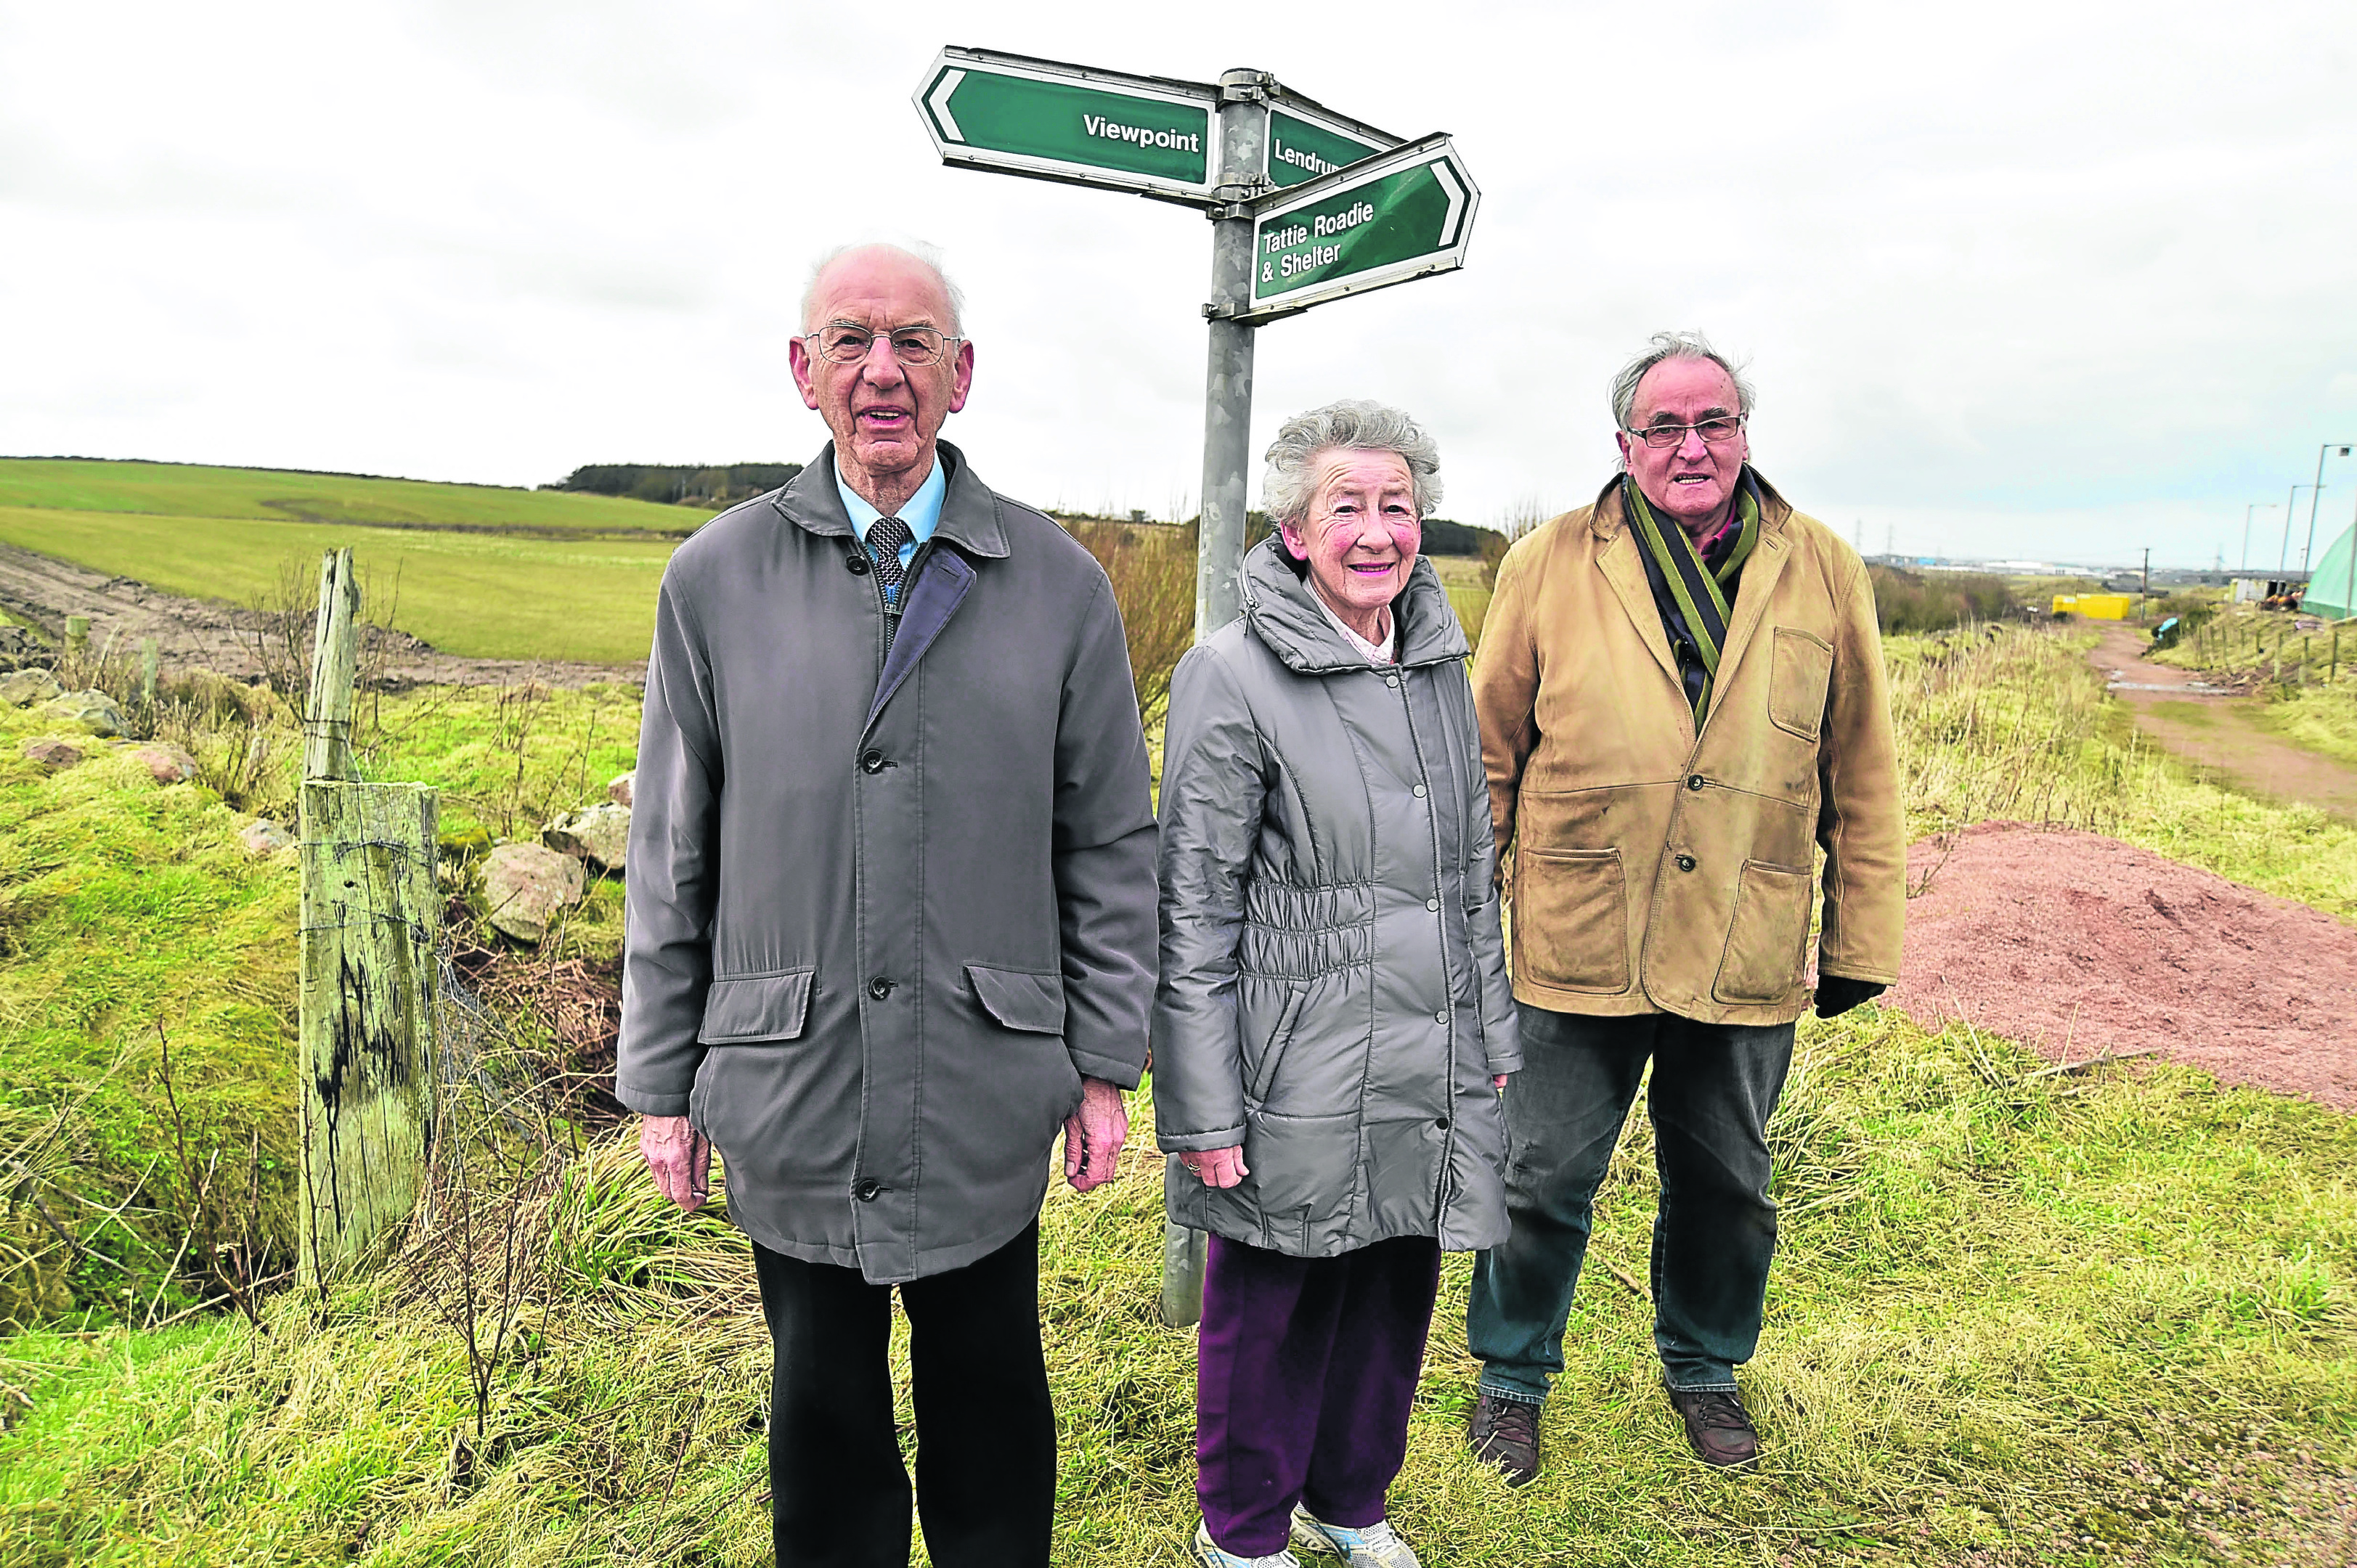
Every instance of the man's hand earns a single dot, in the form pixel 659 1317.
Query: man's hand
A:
pixel 1093 1135
pixel 1217 1167
pixel 1837 993
pixel 679 1158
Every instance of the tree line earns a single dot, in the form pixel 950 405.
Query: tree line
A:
pixel 678 484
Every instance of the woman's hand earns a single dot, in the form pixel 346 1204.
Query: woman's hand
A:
pixel 1217 1167
pixel 1497 1081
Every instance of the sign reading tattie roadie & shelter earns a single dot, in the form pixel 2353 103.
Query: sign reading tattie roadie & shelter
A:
pixel 1306 205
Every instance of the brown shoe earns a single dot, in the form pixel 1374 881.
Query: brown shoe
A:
pixel 1718 1425
pixel 1505 1434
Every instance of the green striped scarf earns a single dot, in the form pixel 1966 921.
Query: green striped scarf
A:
pixel 1704 597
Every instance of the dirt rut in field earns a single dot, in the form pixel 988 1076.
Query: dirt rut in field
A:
pixel 2083 946
pixel 219 636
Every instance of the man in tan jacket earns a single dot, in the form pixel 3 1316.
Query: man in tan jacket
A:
pixel 1682 697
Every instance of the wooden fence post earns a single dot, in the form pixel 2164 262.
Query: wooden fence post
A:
pixel 370 945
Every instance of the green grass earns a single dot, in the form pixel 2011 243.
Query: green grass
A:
pixel 2039 1317
pixel 2324 721
pixel 130 917
pixel 193 491
pixel 483 596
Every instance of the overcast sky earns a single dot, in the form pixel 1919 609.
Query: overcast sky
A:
pixel 2054 280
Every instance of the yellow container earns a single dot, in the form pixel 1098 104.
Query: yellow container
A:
pixel 2095 607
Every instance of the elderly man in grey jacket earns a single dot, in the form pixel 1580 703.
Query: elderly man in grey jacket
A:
pixel 891 926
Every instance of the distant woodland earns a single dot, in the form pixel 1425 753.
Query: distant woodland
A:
pixel 679 485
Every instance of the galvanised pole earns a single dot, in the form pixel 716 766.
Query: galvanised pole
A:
pixel 2308 550
pixel 2291 505
pixel 1227 385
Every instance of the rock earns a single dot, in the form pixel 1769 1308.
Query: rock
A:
pixel 15 641
pixel 620 791
pixel 599 834
pixel 53 755
pixel 525 885
pixel 463 844
pixel 94 710
pixel 167 763
pixel 262 837
pixel 26 687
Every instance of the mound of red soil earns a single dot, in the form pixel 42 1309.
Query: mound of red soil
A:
pixel 2084 946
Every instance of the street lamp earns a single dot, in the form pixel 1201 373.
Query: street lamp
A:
pixel 2316 497
pixel 2246 532
pixel 2283 559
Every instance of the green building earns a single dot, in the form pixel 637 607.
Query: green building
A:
pixel 2328 586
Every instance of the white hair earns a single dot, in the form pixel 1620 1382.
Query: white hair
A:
pixel 1288 485
pixel 1663 347
pixel 928 256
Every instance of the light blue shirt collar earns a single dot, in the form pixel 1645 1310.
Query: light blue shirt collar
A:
pixel 922 514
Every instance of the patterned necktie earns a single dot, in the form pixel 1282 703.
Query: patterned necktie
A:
pixel 885 537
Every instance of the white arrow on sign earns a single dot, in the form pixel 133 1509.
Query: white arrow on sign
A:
pixel 1447 182
pixel 938 100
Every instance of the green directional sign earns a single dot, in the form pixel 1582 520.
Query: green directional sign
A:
pixel 1402 214
pixel 1304 144
pixel 1017 116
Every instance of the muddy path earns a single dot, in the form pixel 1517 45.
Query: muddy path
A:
pixel 2213 726
pixel 226 637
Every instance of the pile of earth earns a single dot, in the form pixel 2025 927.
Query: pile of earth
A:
pixel 2083 947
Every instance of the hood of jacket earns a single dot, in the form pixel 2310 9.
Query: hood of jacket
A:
pixel 1284 613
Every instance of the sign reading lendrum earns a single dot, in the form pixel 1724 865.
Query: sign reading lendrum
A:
pixel 1385 220
pixel 1012 115
pixel 1305 141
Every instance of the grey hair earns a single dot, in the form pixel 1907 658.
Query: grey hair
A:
pixel 1288 485
pixel 1665 345
pixel 925 255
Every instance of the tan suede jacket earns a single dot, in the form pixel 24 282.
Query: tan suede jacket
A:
pixel 1653 870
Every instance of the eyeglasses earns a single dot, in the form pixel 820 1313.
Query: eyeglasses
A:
pixel 847 342
pixel 1714 431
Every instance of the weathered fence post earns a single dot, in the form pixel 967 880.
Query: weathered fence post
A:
pixel 372 933
pixel 77 639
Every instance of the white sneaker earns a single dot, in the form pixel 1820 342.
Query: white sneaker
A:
pixel 1211 1556
pixel 1377 1546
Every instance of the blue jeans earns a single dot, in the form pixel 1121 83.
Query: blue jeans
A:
pixel 1714 1087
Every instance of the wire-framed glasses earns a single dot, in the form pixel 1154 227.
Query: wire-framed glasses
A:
pixel 847 343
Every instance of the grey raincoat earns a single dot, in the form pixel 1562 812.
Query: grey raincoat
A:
pixel 885 911
pixel 1333 993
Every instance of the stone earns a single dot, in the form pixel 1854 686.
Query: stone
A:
pixel 621 790
pixel 262 838
pixel 53 755
pixel 164 762
pixel 23 688
pixel 599 834
pixel 94 710
pixel 526 885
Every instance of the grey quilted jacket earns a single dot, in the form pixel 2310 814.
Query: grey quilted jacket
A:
pixel 1333 993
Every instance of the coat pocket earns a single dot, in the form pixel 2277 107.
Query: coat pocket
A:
pixel 1763 956
pixel 1302 1167
pixel 752 1008
pixel 1571 919
pixel 1264 1071
pixel 1797 677
pixel 1020 999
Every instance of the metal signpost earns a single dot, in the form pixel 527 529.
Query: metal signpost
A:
pixel 1306 206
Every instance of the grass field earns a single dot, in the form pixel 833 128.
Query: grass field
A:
pixel 272 494
pixel 2019 1317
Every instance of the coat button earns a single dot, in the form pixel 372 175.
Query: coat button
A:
pixel 1391 679
pixel 871 761
pixel 1685 863
pixel 1433 904
pixel 1441 1017
pixel 867 1191
pixel 856 564
pixel 879 988
pixel 1695 781
pixel 1442 1123
pixel 1419 791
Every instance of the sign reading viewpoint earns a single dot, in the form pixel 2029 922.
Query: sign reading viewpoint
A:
pixel 1301 148
pixel 1017 116
pixel 1402 215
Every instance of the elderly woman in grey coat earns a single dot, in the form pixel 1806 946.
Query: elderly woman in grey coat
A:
pixel 1333 1022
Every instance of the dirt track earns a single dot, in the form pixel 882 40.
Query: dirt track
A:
pixel 2083 946
pixel 2210 726
pixel 222 635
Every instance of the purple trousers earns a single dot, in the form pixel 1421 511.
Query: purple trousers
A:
pixel 1305 1371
